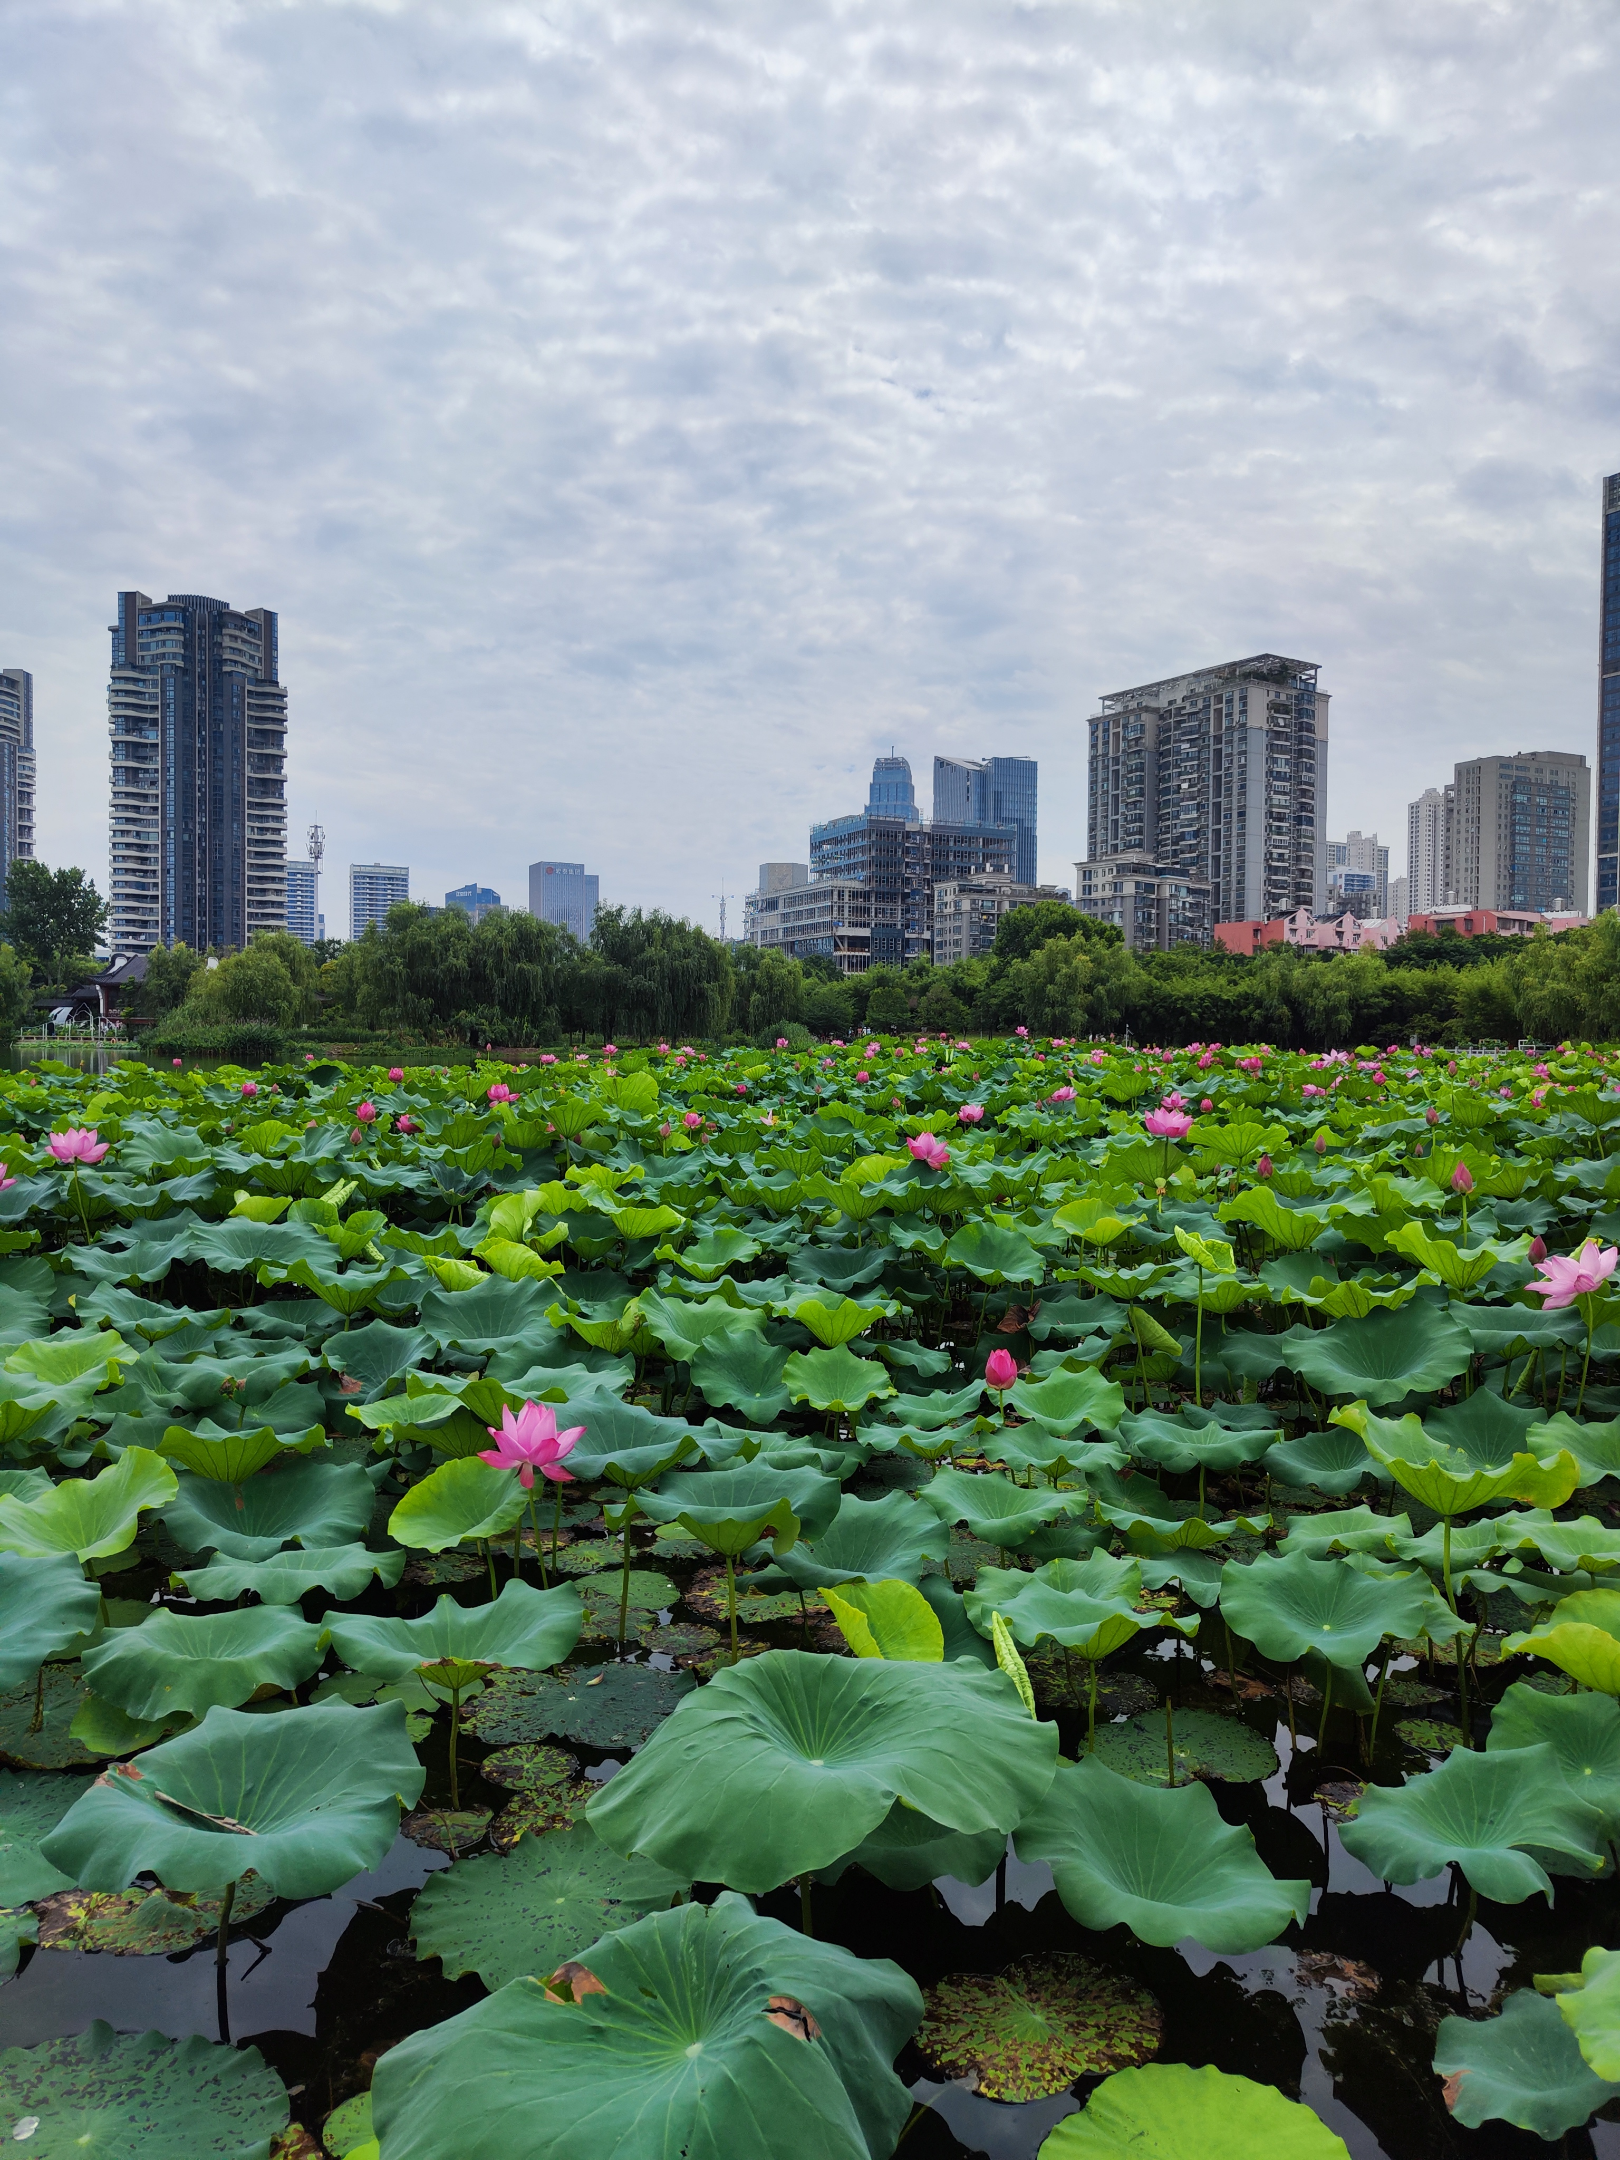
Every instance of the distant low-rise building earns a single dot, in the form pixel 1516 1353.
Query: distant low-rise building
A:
pixel 1153 905
pixel 1492 922
pixel 774 877
pixel 969 911
pixel 830 920
pixel 475 900
pixel 1357 875
pixel 1315 933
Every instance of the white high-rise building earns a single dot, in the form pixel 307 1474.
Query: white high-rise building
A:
pixel 1397 900
pixel 1358 876
pixel 16 768
pixel 1428 851
pixel 375 887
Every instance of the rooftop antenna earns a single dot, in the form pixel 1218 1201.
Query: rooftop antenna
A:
pixel 722 897
pixel 316 841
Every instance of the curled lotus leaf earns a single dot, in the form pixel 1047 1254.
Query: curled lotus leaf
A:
pixel 1483 1813
pixel 743 1372
pixel 1064 1401
pixel 1382 1357
pixel 1187 1443
pixel 1581 1636
pixel 91 1518
pixel 130 2095
pixel 1524 2067
pixel 185 1663
pixel 909 1850
pixel 1589 2004
pixel 344 1570
pixel 460 1500
pixel 889 1539
pixel 1452 1479
pixel 45 1602
pixel 730 1510
pixel 1032 2030
pixel 1334 1462
pixel 1071 1601
pixel 887 1620
pixel 1166 2111
pixel 784 1763
pixel 523 1627
pixel 235 1456
pixel 994 1508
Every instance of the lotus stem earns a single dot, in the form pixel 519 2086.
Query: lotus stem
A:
pixel 38 1724
pixel 731 1608
pixel 517 1540
pixel 221 1964
pixel 1445 1564
pixel 556 1526
pixel 489 1560
pixel 1378 1703
pixel 1587 1360
pixel 455 1765
pixel 539 1547
pixel 1170 1740
pixel 1091 1706
pixel 1198 1372
pixel 624 1582
pixel 1322 1721
pixel 805 1927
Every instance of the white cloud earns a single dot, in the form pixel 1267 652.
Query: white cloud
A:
pixel 642 413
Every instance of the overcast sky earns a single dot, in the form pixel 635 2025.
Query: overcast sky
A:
pixel 641 414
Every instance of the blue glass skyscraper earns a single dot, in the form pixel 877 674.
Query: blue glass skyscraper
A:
pixel 995 793
pixel 1607 849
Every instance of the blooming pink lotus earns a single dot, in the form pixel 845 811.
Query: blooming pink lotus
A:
pixel 1022 1031
pixel 529 1442
pixel 692 1120
pixel 250 1087
pixel 367 1113
pixel 1000 1370
pixel 396 1072
pixel 1174 1101
pixel 548 1057
pixel 1062 1094
pixel 77 1146
pixel 177 1063
pixel 1168 1124
pixel 408 1125
pixel 610 1049
pixel 500 1092
pixel 863 1074
pixel 971 1113
pixel 781 1042
pixel 929 1150
pixel 1577 1275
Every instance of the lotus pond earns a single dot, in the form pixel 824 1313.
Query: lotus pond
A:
pixel 1005 1597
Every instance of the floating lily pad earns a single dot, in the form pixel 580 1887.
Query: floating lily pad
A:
pixel 132 2096
pixel 1206 1744
pixel 1524 2067
pixel 616 1706
pixel 17 1926
pixel 684 1639
pixel 550 1899
pixel 649 1592
pixel 528 1767
pixel 755 1608
pixel 31 1806
pixel 1030 2031
pixel 673 1544
pixel 141 1923
pixel 55 1746
pixel 589 1556
pixel 433 1569
pixel 451 1830
pixel 533 1814
pixel 1430 1736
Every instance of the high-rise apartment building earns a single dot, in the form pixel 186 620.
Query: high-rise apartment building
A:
pixel 561 893
pixel 1357 876
pixel 998 792
pixel 303 920
pixel 774 878
pixel 16 768
pixel 1608 750
pixel 889 849
pixel 1428 850
pixel 198 718
pixel 475 900
pixel 1219 777
pixel 968 913
pixel 1398 908
pixel 375 887
pixel 1520 832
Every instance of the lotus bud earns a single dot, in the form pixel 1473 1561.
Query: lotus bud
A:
pixel 1000 1370
pixel 1263 1167
pixel 1462 1179
pixel 1431 1115
pixel 1538 1251
pixel 1321 1143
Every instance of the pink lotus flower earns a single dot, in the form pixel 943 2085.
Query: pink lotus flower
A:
pixel 500 1092
pixel 781 1042
pixel 1575 1276
pixel 610 1049
pixel 863 1074
pixel 396 1072
pixel 1431 1116
pixel 176 1062
pixel 1174 1101
pixel 971 1113
pixel 1168 1124
pixel 1321 1143
pixel 309 1058
pixel 927 1149
pixel 664 1130
pixel 547 1057
pixel 250 1087
pixel 1206 1106
pixel 77 1146
pixel 367 1113
pixel 530 1442
pixel 1000 1370
pixel 1062 1094
pixel 1021 1031
pixel 1462 1179
pixel 1263 1167
pixel 355 1136
pixel 740 1087
pixel 692 1120
pixel 408 1125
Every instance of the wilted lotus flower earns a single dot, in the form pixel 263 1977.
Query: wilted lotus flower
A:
pixel 1000 1371
pixel 971 1113
pixel 1577 1276
pixel 927 1149
pixel 530 1442
pixel 77 1146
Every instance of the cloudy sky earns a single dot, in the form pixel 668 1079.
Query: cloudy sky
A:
pixel 641 414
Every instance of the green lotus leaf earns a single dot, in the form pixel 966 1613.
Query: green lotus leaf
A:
pixel 1589 2003
pixel 188 1662
pixel 101 1728
pixel 147 1923
pixel 675 2050
pixel 1290 1604
pixel 1062 1600
pixel 1160 1860
pixel 16 1928
pixel 131 2096
pixel 1581 1636
pixel 1191 1443
pixel 91 1518
pixel 720 1248
pixel 1031 2031
pixel 1449 1479
pixel 1334 1462
pixel 1167 2111
pixel 1478 1812
pixel 1206 1745
pixel 887 1539
pixel 44 1603
pixel 833 1320
pixel 1381 1358
pixel 318 1504
pixel 303 1798
pixel 1213 1255
pixel 1583 1731
pixel 909 1850
pixel 1460 1268
pixel 887 1620
pixel 787 1761
pixel 538 1906
pixel 1345 1530
pixel 344 1570
pixel 730 1510
pixel 1524 2067
pixel 31 1806
pixel 29 1742
pixel 995 1255
pixel 352 1291
pixel 523 1627
pixel 1064 1401
pixel 461 1499
pixel 835 1380
pixel 616 1707
pixel 686 1325
pixel 995 1509
pixel 1595 1447
pixel 72 1355
pixel 235 1456
pixel 743 1372
pixel 378 1353
pixel 1289 1229
pixel 1567 1545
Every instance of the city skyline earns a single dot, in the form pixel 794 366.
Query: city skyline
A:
pixel 917 398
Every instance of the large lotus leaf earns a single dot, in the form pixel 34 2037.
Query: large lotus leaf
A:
pixel 1583 1731
pixel 1334 1462
pixel 721 1247
pixel 629 1446
pixel 730 1510
pixel 1589 2003
pixel 1205 1743
pixel 1291 1604
pixel 133 2096
pixel 1168 2111
pixel 71 1355
pixel 686 1326
pixel 461 1499
pixel 538 1906
pixel 91 1518
pixel 1182 1443
pixel 1595 1447
pixel 1478 1812
pixel 1451 1480
pixel 1382 1357
pixel 833 1320
pixel 44 1603
pixel 1344 1530
pixel 1567 1546
pixel 1064 1401
pixel 1059 1600
pixel 616 1707
pixel 1581 1636
pixel 303 1798
pixel 344 1570
pixel 175 1662
pixel 315 1503
pixel 887 1620
pixel 1161 1860
pixel 235 1456
pixel 787 1761
pixel 1524 2067
pixel 1291 1229
pixel 908 1850
pixel 523 1627
pixel 993 1507
pixel 31 1806
pixel 994 1254
pixel 59 1692
pixel 378 1353
pixel 884 1540
pixel 743 1372
pixel 835 1380
pixel 709 2033
pixel 933 1412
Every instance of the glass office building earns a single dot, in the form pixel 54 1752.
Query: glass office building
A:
pixel 995 793
pixel 1608 757
pixel 562 893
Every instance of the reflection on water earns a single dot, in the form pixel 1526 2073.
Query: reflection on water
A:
pixel 83 1055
